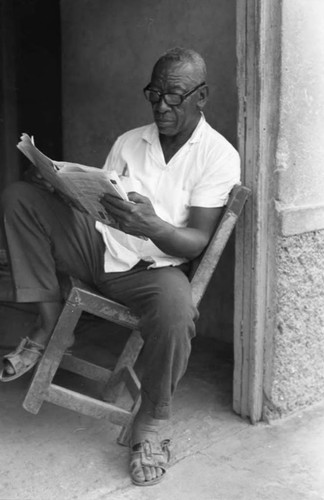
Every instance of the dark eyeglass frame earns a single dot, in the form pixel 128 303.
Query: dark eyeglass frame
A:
pixel 161 95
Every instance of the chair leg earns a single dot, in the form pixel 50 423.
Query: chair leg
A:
pixel 124 437
pixel 116 382
pixel 62 338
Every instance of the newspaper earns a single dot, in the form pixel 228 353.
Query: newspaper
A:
pixel 83 186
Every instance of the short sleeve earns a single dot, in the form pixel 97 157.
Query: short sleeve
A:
pixel 219 175
pixel 114 160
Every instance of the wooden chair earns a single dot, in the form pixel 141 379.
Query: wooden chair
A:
pixel 81 299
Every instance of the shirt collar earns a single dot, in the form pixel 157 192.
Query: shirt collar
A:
pixel 151 133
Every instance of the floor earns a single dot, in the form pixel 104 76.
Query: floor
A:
pixel 61 455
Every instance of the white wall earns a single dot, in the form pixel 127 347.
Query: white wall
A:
pixel 300 159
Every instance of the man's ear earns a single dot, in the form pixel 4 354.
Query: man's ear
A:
pixel 203 96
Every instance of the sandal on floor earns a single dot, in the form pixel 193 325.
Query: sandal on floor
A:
pixel 147 454
pixel 18 362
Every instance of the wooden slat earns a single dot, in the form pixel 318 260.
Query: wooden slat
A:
pixel 114 386
pixel 132 382
pixel 104 308
pixel 214 251
pixel 243 241
pixel 258 54
pixel 206 268
pixel 85 368
pixel 87 405
pixel 263 305
pixel 61 339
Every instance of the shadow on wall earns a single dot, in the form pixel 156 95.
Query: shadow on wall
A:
pixel 107 56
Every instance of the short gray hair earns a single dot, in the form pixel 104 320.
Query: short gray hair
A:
pixel 181 55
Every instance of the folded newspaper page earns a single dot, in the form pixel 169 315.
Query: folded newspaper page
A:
pixel 84 186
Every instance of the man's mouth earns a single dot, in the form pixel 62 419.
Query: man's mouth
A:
pixel 163 121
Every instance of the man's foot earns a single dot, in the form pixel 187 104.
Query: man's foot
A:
pixel 21 360
pixel 148 456
pixel 30 349
pixel 148 461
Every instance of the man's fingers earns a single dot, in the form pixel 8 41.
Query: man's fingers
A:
pixel 32 174
pixel 42 182
pixel 49 186
pixel 133 197
pixel 136 197
pixel 118 210
pixel 110 201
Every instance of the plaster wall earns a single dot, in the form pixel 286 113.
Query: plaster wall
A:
pixel 296 376
pixel 300 158
pixel 108 50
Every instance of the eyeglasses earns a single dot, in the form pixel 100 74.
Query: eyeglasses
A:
pixel 171 99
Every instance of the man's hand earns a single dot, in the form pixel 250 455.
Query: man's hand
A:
pixel 136 216
pixel 32 175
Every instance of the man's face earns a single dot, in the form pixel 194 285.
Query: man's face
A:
pixel 176 78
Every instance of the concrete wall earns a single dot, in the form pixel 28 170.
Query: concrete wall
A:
pixel 297 373
pixel 296 376
pixel 108 49
pixel 300 158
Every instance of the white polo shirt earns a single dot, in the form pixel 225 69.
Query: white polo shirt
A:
pixel 201 174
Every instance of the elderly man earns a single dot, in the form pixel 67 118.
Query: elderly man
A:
pixel 178 173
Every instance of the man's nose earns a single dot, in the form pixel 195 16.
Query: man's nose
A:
pixel 162 106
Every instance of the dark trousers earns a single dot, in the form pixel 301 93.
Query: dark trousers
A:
pixel 45 236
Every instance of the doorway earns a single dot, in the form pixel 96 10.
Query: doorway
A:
pixel 101 41
pixel 30 89
pixel 258 76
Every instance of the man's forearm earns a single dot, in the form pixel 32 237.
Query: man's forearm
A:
pixel 180 242
pixel 138 217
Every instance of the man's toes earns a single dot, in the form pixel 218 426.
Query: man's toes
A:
pixel 140 477
pixel 137 471
pixel 158 472
pixel 9 369
pixel 148 473
pixel 152 473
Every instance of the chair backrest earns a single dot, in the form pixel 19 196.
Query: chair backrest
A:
pixel 209 259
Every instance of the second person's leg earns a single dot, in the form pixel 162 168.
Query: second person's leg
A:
pixel 45 236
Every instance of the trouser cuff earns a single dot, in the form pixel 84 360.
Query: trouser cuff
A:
pixel 160 411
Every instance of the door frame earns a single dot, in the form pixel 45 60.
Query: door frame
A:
pixel 258 71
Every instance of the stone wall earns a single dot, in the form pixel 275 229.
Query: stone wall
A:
pixel 298 344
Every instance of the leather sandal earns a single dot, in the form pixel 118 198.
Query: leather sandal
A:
pixel 18 362
pixel 147 454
